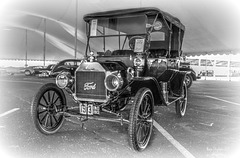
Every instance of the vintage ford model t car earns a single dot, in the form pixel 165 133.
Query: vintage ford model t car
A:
pixel 129 69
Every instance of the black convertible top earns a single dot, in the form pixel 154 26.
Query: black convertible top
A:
pixel 125 12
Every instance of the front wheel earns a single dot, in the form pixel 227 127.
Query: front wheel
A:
pixel 181 104
pixel 46 107
pixel 141 122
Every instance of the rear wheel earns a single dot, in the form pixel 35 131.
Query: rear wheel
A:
pixel 141 122
pixel 188 80
pixel 181 104
pixel 46 107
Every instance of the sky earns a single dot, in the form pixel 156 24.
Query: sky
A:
pixel 211 25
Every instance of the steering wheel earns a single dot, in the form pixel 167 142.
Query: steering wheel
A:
pixel 132 41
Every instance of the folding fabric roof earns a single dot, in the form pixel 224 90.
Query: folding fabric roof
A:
pixel 145 10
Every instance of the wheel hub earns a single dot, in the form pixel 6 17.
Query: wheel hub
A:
pixel 51 108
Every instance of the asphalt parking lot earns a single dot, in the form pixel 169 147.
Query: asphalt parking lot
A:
pixel 210 128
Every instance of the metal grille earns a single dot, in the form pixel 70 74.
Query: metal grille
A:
pixel 90 85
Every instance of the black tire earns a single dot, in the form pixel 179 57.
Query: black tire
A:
pixel 188 80
pixel 140 119
pixel 181 104
pixel 27 73
pixel 45 109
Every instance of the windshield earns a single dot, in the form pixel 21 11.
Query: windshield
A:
pixel 109 34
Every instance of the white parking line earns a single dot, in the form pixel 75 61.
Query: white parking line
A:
pixel 174 142
pixel 222 100
pixel 20 98
pixel 9 112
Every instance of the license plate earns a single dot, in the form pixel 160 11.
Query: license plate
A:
pixel 89 109
pixel 86 109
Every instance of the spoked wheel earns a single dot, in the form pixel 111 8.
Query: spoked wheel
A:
pixel 141 122
pixel 181 104
pixel 45 109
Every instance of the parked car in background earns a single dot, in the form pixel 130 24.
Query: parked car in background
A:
pixel 36 70
pixel 10 70
pixel 209 73
pixel 3 71
pixel 45 72
pixel 191 76
pixel 67 65
pixel 30 70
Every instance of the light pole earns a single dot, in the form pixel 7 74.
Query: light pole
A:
pixel 76 25
pixel 26 54
pixel 44 43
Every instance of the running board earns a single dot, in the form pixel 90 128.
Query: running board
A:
pixel 83 118
pixel 172 100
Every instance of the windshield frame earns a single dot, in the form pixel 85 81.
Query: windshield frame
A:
pixel 119 35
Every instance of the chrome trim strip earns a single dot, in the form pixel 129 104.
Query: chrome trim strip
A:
pixel 89 99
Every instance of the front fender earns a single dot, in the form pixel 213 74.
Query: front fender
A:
pixel 152 84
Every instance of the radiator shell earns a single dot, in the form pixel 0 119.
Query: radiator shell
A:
pixel 89 83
